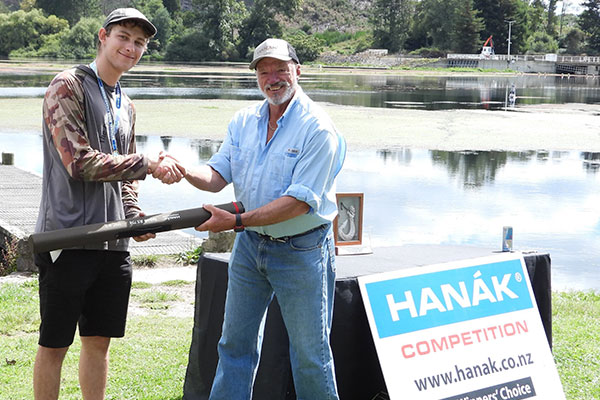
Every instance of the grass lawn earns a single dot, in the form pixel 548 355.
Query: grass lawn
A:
pixel 150 362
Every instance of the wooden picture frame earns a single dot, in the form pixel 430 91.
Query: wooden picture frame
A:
pixel 347 226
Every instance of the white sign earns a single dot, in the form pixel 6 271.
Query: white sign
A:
pixel 467 330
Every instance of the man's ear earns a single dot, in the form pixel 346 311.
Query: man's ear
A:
pixel 298 70
pixel 102 35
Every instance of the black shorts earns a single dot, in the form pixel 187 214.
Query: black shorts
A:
pixel 89 287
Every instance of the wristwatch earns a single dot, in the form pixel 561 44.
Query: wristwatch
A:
pixel 239 227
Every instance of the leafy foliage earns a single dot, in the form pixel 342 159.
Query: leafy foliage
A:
pixel 589 21
pixel 229 30
pixel 147 260
pixel 71 10
pixel 8 256
pixel 191 256
pixel 22 29
pixel 156 12
pixel 390 23
pixel 191 45
pixel 573 41
pixel 308 47
pixel 76 43
pixel 540 42
pixel 467 28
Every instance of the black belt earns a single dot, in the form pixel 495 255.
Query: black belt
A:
pixel 285 239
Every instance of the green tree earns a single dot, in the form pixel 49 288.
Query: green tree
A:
pixel 308 47
pixel 106 6
pixel 79 42
pixel 589 21
pixel 219 22
pixel 190 45
pixel 172 6
pixel 466 28
pixel 262 23
pixel 71 10
pixel 432 24
pixel 574 41
pixel 390 21
pixel 22 29
pixel 496 14
pixel 551 24
pixel 541 42
pixel 9 5
pixel 536 11
pixel 27 5
pixel 156 12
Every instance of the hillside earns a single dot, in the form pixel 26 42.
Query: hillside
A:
pixel 339 15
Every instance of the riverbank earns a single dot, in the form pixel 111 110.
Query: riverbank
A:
pixel 553 127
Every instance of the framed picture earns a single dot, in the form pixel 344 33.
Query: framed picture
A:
pixel 347 226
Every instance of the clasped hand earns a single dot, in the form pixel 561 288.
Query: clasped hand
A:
pixel 167 169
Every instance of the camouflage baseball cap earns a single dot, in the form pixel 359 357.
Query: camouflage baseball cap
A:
pixel 124 14
pixel 275 48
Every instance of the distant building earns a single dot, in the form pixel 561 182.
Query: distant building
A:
pixel 376 52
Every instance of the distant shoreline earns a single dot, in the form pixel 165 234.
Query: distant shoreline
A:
pixel 552 127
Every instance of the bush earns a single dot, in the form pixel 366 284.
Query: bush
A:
pixel 331 36
pixel 8 256
pixel 540 42
pixel 193 45
pixel 429 52
pixel 349 44
pixel 22 29
pixel 190 257
pixel 147 260
pixel 308 47
pixel 79 42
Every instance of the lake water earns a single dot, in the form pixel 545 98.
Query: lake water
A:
pixel 551 199
pixel 421 92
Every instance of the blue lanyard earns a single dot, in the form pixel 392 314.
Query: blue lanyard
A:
pixel 113 122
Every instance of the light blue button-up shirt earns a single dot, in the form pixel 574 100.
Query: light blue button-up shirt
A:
pixel 301 160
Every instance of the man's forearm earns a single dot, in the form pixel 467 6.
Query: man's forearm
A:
pixel 278 210
pixel 205 178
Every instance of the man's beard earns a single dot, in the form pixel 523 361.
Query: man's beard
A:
pixel 278 98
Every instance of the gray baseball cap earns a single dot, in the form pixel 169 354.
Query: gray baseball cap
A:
pixel 124 14
pixel 275 48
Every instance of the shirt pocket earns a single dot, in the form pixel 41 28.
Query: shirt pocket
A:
pixel 239 164
pixel 281 169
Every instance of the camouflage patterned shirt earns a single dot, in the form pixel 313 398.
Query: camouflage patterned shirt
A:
pixel 83 183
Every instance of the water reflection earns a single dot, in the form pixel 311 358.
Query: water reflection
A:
pixel 431 197
pixel 474 168
pixel 422 92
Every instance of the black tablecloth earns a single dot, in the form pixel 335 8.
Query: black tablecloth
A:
pixel 358 372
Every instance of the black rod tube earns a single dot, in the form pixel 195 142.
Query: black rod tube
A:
pixel 102 232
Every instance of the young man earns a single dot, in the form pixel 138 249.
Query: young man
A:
pixel 89 176
pixel 282 156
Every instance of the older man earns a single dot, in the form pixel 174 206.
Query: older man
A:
pixel 282 156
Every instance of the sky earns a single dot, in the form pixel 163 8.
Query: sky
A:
pixel 573 6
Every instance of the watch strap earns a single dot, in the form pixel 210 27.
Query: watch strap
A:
pixel 239 227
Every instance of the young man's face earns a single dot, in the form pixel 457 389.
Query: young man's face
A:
pixel 123 47
pixel 277 79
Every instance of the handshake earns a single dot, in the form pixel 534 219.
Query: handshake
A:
pixel 166 168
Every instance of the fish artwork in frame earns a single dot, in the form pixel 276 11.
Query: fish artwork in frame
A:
pixel 347 226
